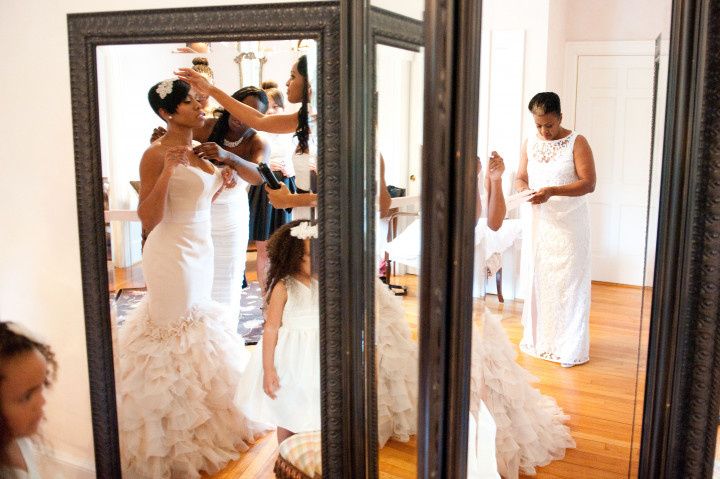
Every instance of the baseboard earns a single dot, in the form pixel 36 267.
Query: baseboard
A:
pixel 62 466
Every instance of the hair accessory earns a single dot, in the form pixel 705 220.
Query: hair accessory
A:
pixel 304 231
pixel 164 88
pixel 20 330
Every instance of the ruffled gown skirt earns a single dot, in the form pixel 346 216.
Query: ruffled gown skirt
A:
pixel 180 364
pixel 397 369
pixel 531 430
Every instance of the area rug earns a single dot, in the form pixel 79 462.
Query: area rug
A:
pixel 250 322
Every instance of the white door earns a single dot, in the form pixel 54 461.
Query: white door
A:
pixel 613 111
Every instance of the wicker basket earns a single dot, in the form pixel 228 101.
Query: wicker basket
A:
pixel 285 470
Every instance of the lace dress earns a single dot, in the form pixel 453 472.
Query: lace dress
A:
pixel 180 355
pixel 556 314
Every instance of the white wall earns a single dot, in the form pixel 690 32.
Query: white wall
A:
pixel 600 20
pixel 557 33
pixel 410 8
pixel 40 283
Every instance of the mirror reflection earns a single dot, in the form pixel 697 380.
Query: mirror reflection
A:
pixel 398 140
pixel 210 209
pixel 569 159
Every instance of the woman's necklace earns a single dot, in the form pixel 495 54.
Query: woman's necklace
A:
pixel 233 144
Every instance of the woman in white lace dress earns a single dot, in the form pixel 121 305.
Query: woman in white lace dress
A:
pixel 558 165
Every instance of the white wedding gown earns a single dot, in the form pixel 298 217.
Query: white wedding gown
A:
pixel 180 355
pixel 396 354
pixel 230 231
pixel 556 314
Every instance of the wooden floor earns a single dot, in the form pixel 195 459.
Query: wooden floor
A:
pixel 602 397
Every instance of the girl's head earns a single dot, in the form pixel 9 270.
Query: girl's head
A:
pixel 251 96
pixel 275 98
pixel 288 251
pixel 545 108
pixel 299 91
pixel 26 367
pixel 173 101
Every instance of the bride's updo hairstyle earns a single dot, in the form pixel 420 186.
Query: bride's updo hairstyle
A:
pixel 167 95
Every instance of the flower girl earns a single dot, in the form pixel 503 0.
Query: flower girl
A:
pixel 27 367
pixel 281 385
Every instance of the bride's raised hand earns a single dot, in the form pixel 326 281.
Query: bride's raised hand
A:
pixel 175 156
pixel 195 79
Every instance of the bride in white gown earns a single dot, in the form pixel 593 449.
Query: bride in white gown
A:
pixel 180 357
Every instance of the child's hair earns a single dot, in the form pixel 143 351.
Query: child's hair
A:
pixel 14 341
pixel 285 254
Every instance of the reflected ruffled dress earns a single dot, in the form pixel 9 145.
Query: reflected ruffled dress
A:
pixel 180 355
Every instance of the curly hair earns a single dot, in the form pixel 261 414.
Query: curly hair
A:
pixel 302 132
pixel 13 344
pixel 285 254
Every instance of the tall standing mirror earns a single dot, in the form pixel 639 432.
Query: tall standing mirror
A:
pixel 397 76
pixel 205 314
pixel 569 147
pixel 251 241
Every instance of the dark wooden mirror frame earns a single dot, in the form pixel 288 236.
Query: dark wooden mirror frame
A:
pixel 683 374
pixel 682 397
pixel 317 20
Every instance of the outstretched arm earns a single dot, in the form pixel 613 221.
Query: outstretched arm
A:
pixel 285 123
